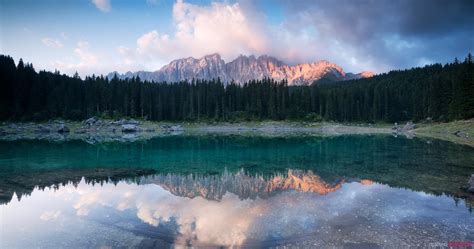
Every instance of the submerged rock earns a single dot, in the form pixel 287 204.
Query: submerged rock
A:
pixel 128 137
pixel 409 126
pixel 172 128
pixel 176 128
pixel 62 128
pixel 128 128
pixel 406 130
pixel 133 122
pixel 461 134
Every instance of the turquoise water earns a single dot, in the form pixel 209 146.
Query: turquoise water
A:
pixel 236 191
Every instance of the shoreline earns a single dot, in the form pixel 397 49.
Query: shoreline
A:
pixel 105 130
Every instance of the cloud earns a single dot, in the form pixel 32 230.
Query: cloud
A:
pixel 232 222
pixel 234 29
pixel 85 56
pixel 227 222
pixel 387 34
pixel 86 61
pixel 102 5
pixel 200 30
pixel 50 215
pixel 49 42
pixel 358 35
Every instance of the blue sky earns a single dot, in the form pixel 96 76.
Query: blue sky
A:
pixel 100 36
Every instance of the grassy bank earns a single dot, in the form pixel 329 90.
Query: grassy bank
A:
pixel 461 132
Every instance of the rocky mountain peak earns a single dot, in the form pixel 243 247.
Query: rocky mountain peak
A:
pixel 366 74
pixel 212 57
pixel 245 68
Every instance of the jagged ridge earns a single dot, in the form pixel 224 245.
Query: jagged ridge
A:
pixel 244 69
pixel 243 185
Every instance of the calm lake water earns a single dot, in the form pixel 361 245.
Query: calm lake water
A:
pixel 346 191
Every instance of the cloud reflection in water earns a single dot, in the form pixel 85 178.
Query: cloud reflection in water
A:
pixel 234 216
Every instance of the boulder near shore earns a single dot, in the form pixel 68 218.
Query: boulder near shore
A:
pixel 469 187
pixel 129 128
pixel 406 130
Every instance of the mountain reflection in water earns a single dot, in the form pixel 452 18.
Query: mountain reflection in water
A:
pixel 231 209
pixel 243 185
pixel 210 187
pixel 348 191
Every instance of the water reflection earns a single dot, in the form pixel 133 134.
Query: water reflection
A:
pixel 23 183
pixel 209 186
pixel 243 185
pixel 438 167
pixel 349 191
pixel 233 209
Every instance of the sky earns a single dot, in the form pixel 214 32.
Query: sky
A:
pixel 101 36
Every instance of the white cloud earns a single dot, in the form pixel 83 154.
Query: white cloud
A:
pixel 86 57
pixel 102 5
pixel 224 28
pixel 86 61
pixel 50 42
pixel 199 30
pixel 227 222
pixel 232 221
pixel 234 29
pixel 50 215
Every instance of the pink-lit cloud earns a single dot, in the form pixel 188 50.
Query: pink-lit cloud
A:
pixel 234 29
pixel 102 5
pixel 358 36
pixel 199 30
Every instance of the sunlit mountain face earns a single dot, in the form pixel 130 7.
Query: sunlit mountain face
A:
pixel 244 69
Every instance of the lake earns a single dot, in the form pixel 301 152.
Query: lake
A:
pixel 209 191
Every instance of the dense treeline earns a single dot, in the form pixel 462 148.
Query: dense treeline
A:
pixel 436 91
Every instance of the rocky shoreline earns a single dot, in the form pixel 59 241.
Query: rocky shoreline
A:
pixel 96 130
pixel 92 130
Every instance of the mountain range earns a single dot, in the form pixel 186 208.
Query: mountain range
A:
pixel 243 69
pixel 243 185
